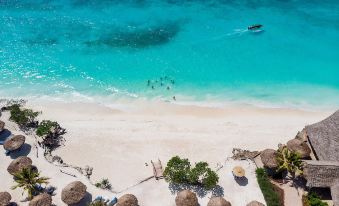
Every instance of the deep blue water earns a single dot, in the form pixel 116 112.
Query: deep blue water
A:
pixel 201 49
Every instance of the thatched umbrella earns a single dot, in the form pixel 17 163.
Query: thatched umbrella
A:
pixel 218 201
pixel 73 193
pixel 19 164
pixel 127 200
pixel 5 198
pixel 14 143
pixel 43 199
pixel 296 145
pixel 269 158
pixel 238 171
pixel 2 125
pixel 186 198
pixel 255 203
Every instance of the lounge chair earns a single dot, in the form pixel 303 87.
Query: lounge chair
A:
pixel 113 201
pixel 2 142
pixel 98 198
pixel 7 152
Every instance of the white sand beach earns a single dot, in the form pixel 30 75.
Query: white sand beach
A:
pixel 118 141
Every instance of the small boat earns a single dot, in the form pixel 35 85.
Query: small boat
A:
pixel 254 27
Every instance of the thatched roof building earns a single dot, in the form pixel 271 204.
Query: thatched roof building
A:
pixel 269 158
pixel 298 146
pixel 321 173
pixel 73 193
pixel 186 198
pixel 5 198
pixel 14 142
pixel 2 125
pixel 19 164
pixel 43 199
pixel 127 200
pixel 335 193
pixel 218 201
pixel 324 138
pixel 255 203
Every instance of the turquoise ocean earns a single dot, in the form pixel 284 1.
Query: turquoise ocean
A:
pixel 196 50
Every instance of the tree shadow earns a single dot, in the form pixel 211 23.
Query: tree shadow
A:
pixel 85 201
pixel 5 134
pixel 24 150
pixel 198 189
pixel 242 181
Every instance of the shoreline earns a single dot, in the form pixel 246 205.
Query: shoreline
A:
pixel 118 141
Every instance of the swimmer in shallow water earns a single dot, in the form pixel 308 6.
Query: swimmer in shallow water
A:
pixel 175 99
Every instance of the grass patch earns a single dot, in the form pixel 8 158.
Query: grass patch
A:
pixel 272 196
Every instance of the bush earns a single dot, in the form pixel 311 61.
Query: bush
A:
pixel 179 171
pixel 271 196
pixel 23 117
pixel 104 184
pixel 51 133
pixel 312 199
pixel 46 127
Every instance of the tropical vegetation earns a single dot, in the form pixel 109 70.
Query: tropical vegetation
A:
pixel 312 199
pixel 28 179
pixel 104 184
pixel 179 171
pixel 51 133
pixel 271 196
pixel 289 161
pixel 25 118
pixel 97 203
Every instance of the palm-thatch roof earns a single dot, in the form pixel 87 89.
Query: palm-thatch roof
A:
pixel 269 158
pixel 321 173
pixel 73 193
pixel 298 146
pixel 255 203
pixel 18 164
pixel 5 198
pixel 335 193
pixel 238 171
pixel 324 138
pixel 14 142
pixel 2 125
pixel 127 200
pixel 218 201
pixel 43 199
pixel 186 198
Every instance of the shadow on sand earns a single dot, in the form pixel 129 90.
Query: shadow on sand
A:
pixel 5 134
pixel 199 190
pixel 243 181
pixel 23 151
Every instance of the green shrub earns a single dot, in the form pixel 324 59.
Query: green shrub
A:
pixel 272 198
pixel 46 127
pixel 314 200
pixel 23 117
pixel 179 171
pixel 104 184
pixel 97 203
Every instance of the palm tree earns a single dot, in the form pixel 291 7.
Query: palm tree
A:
pixel 28 179
pixel 289 161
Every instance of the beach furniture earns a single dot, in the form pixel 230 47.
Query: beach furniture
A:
pixel 2 142
pixel 7 152
pixel 157 169
pixel 113 201
pixel 50 190
pixel 238 172
pixel 98 198
pixel 14 143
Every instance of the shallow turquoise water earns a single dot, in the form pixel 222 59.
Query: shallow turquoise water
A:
pixel 104 50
